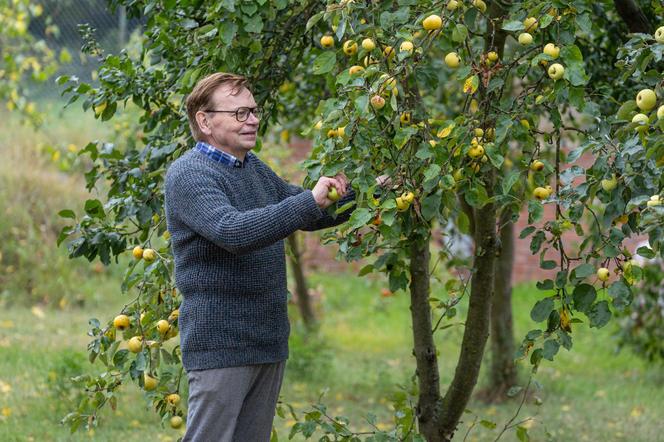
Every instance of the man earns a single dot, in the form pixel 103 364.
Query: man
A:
pixel 228 214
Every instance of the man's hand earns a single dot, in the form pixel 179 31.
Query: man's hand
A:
pixel 322 189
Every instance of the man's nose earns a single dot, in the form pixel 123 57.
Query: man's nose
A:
pixel 252 119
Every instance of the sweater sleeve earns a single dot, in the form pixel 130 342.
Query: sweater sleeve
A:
pixel 287 190
pixel 198 201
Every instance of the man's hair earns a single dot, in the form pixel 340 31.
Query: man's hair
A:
pixel 201 96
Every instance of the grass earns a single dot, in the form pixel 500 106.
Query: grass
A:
pixel 361 353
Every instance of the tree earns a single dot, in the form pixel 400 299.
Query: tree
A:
pixel 465 126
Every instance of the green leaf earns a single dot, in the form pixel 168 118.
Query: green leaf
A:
pixel 535 211
pixel 509 181
pixel 432 172
pixel 526 232
pixel 325 62
pixel 621 294
pixel 583 270
pixel 313 20
pixel 584 295
pixel 574 68
pixel 488 424
pixel 522 433
pixel 459 33
pixel 359 218
pixel 542 309
pixel 626 110
pixel 550 349
pixel 95 208
pixel 515 25
pixel 599 314
pixel 431 206
pixel 547 284
pixel 67 213
pixel 646 252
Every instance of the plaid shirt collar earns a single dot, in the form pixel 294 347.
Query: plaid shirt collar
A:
pixel 220 156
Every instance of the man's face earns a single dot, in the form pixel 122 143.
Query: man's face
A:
pixel 222 129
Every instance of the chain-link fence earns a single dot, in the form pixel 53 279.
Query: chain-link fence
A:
pixel 59 26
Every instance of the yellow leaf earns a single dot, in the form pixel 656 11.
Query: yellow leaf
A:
pixel 6 411
pixel 445 132
pixel 38 312
pixel 471 84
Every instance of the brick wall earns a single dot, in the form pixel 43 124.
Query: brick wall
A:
pixel 526 265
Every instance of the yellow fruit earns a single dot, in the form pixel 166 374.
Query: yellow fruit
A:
pixel 556 71
pixel 479 4
pixel 492 56
pixel 541 193
pixel 525 123
pixel 175 314
pixel 368 61
pixel 476 152
pixel 406 46
pixel 176 422
pixel 388 52
pixel 368 44
pixel 149 255
pixel 402 204
pixel 530 24
pixel 341 131
pixel 551 50
pixel 405 118
pixel 432 22
pixel 121 322
pixel 149 383
pixel 135 344
pixel 659 35
pixel 452 5
pixel 525 39
pixel 642 121
pixel 327 41
pixel 331 133
pixel 333 195
pixel 452 60
pixel 163 326
pixel 354 70
pixel 609 184
pixel 458 175
pixel 603 274
pixel 408 197
pixel 377 102
pixel 646 99
pixel 137 253
pixel 537 166
pixel 654 201
pixel 660 113
pixel 350 47
pixel 478 132
pixel 173 399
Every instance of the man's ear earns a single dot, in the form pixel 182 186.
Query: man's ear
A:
pixel 202 121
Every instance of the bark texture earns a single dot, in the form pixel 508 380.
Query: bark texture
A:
pixel 301 289
pixel 633 16
pixel 503 370
pixel 476 330
pixel 424 346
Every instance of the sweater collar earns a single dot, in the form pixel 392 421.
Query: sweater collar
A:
pixel 220 156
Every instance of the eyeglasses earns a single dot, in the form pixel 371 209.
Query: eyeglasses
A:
pixel 241 113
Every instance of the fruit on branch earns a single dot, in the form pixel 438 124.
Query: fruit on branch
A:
pixel 137 253
pixel 327 41
pixel 149 255
pixel 551 50
pixel 406 46
pixel 492 56
pixel 176 422
pixel 659 35
pixel 452 60
pixel 135 344
pixel 402 205
pixel 609 184
pixel 476 152
pixel 654 201
pixel 121 322
pixel 432 22
pixel 149 383
pixel 350 48
pixel 660 113
pixel 479 4
pixel 377 102
pixel 405 118
pixel 541 193
pixel 355 70
pixel 556 71
pixel 368 44
pixel 642 121
pixel 163 326
pixel 525 39
pixel 452 5
pixel 537 166
pixel 646 99
pixel 603 274
pixel 530 24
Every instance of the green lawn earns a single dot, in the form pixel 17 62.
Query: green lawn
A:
pixel 363 351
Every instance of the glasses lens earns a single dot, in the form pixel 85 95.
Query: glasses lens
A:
pixel 258 112
pixel 242 114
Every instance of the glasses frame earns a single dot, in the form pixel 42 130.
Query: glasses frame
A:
pixel 255 111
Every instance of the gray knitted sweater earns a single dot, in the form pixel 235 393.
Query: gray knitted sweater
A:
pixel 227 227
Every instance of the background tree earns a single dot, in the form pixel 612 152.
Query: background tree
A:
pixel 387 107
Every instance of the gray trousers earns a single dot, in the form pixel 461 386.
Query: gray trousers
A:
pixel 234 404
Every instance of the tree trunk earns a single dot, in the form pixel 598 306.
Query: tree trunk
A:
pixel 503 370
pixel 476 331
pixel 633 16
pixel 425 348
pixel 301 290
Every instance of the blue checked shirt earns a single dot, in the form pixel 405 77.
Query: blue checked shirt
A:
pixel 218 155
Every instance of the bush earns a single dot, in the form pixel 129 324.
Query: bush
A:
pixel 642 323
